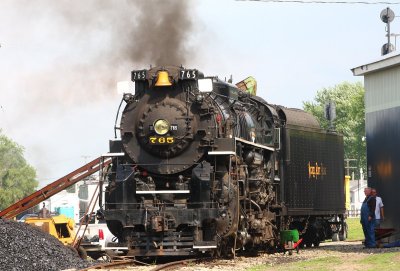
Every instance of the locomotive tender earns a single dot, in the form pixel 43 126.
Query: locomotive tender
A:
pixel 203 166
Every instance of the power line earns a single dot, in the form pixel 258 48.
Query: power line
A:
pixel 325 2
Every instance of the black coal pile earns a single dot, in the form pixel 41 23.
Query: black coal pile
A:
pixel 25 247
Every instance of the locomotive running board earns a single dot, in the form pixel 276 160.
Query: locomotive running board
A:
pixel 163 192
pixel 221 153
pixel 204 247
pixel 231 151
pixel 254 144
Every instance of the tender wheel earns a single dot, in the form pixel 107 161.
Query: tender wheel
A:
pixel 316 243
pixel 335 237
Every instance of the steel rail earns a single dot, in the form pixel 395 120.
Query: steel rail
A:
pixel 173 264
pixel 181 262
pixel 113 264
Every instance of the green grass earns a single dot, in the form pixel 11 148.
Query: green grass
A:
pixel 321 264
pixel 389 261
pixel 259 267
pixel 318 264
pixel 369 262
pixel 355 231
pixel 381 261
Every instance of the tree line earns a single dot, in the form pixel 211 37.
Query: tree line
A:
pixel 17 177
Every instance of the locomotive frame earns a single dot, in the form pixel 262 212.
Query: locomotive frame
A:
pixel 204 166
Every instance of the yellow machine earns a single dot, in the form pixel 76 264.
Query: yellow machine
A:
pixel 59 226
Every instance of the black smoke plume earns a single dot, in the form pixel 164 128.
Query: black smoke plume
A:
pixel 103 41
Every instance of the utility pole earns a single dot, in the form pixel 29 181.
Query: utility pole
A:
pixel 348 167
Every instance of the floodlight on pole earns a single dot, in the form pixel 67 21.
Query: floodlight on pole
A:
pixel 387 16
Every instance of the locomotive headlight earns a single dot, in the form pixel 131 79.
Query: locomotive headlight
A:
pixel 161 126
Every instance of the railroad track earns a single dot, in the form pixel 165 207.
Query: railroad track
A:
pixel 174 264
pixel 182 263
pixel 115 263
pixel 167 266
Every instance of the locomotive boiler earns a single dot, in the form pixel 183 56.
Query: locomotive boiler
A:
pixel 203 165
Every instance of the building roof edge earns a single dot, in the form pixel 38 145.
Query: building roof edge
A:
pixel 389 60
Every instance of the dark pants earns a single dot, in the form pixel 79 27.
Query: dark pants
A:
pixel 369 232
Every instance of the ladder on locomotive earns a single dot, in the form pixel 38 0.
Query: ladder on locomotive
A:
pixel 232 176
pixel 55 187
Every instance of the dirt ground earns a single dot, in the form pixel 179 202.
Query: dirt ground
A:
pixel 329 256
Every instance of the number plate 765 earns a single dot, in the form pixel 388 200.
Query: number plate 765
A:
pixel 161 140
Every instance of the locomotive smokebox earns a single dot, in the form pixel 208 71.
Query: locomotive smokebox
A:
pixel 163 133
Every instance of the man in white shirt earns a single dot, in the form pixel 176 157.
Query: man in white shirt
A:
pixel 379 214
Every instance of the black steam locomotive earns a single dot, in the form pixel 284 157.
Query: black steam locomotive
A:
pixel 205 166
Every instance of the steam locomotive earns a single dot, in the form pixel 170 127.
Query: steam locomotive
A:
pixel 203 165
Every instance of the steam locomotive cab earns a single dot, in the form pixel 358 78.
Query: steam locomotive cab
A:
pixel 200 167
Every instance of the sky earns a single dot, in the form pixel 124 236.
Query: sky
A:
pixel 60 61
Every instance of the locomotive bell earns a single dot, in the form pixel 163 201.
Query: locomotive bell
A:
pixel 163 79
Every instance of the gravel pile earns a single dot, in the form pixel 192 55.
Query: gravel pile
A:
pixel 25 247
